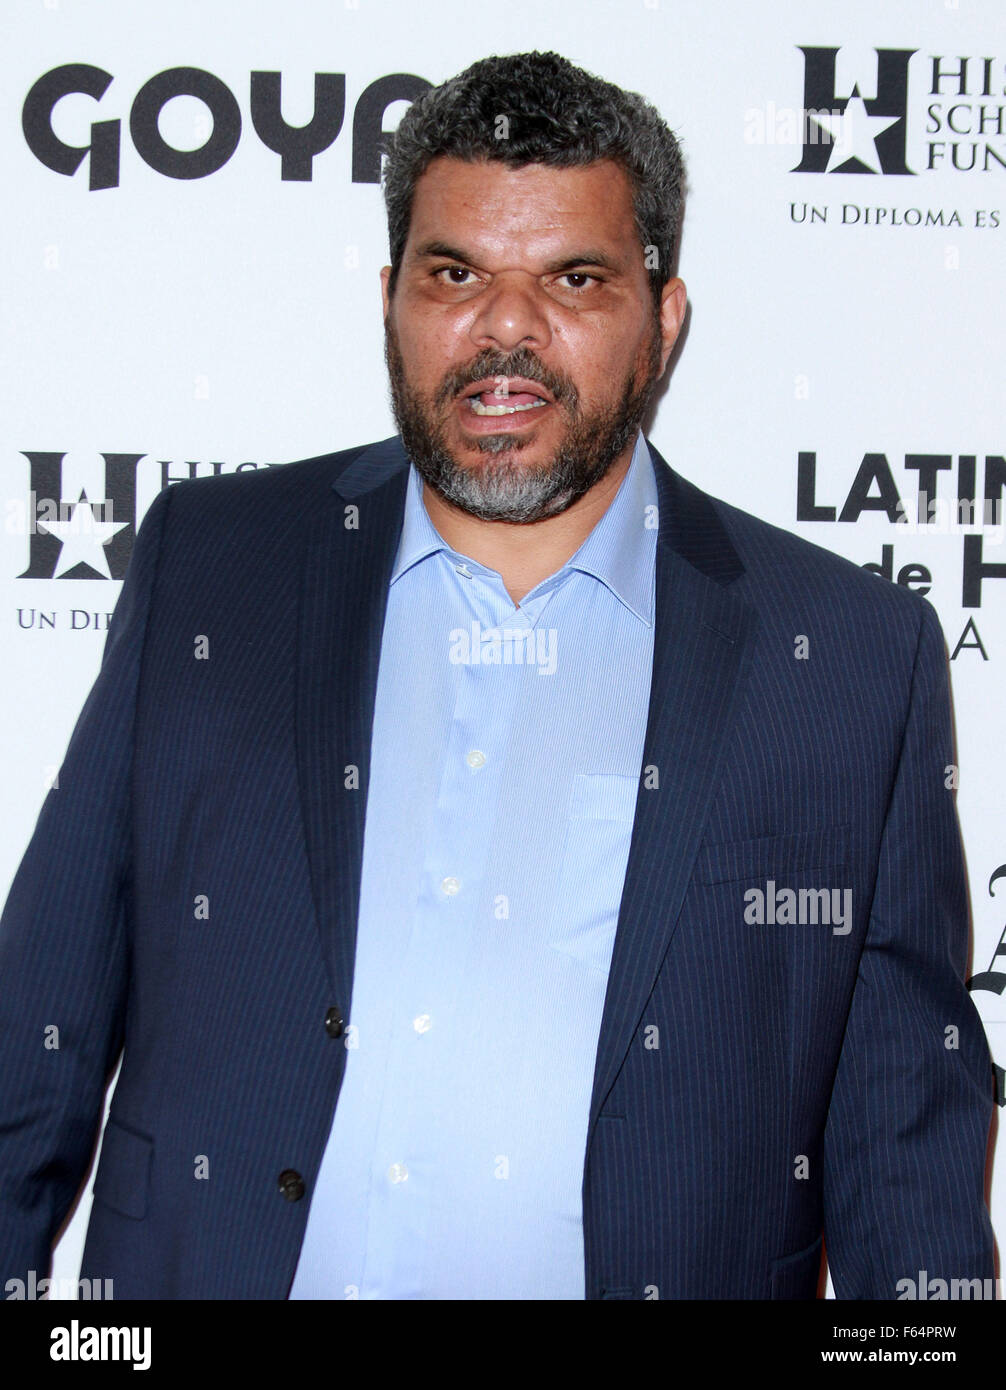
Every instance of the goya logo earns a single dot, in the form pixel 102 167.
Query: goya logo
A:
pixel 296 146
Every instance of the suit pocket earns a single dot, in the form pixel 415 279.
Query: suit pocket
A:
pixel 796 1276
pixel 602 811
pixel 773 856
pixel 123 1177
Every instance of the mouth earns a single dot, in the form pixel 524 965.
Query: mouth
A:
pixel 503 396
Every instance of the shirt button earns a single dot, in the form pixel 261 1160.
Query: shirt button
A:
pixel 398 1172
pixel 450 886
pixel 423 1023
pixel 291 1184
pixel 464 571
pixel 476 758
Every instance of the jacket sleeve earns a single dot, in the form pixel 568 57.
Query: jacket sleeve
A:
pixel 64 956
pixel 908 1124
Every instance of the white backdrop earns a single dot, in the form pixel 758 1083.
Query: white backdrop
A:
pixel 846 304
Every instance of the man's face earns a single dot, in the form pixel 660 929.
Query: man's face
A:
pixel 522 339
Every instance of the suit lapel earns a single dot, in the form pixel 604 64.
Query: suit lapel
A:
pixel 699 660
pixel 343 599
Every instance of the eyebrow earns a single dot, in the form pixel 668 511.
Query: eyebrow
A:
pixel 590 256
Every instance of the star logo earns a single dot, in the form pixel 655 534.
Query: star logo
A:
pixel 83 534
pixel 853 135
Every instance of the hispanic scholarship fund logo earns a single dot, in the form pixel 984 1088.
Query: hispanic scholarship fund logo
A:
pixel 78 518
pixel 890 113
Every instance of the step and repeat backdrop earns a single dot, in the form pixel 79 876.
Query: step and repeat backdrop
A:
pixel 190 259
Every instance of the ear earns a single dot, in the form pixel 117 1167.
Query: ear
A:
pixel 385 277
pixel 673 303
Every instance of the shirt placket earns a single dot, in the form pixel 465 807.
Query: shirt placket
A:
pixel 454 904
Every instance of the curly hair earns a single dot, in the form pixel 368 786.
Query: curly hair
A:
pixel 555 114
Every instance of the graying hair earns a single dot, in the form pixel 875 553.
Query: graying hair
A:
pixel 555 114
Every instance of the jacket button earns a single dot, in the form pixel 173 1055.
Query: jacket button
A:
pixel 334 1023
pixel 291 1184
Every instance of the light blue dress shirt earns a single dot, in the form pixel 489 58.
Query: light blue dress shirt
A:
pixel 506 756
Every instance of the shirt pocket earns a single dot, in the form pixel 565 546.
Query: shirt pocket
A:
pixel 602 811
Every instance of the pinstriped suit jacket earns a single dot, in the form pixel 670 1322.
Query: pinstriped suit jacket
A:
pixel 758 1085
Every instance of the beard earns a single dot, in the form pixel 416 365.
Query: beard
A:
pixel 502 488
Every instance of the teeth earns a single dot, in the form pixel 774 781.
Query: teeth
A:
pixel 481 409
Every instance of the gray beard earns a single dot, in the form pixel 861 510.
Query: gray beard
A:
pixel 502 489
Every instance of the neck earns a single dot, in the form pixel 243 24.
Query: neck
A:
pixel 525 553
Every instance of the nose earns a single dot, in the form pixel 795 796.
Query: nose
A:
pixel 511 313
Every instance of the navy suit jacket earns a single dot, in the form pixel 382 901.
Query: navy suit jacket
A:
pixel 189 899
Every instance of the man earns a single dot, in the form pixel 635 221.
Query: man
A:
pixel 509 871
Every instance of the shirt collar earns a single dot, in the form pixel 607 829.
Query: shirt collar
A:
pixel 619 552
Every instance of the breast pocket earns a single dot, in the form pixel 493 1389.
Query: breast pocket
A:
pixel 773 856
pixel 601 814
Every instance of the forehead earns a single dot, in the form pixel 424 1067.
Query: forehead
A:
pixel 525 212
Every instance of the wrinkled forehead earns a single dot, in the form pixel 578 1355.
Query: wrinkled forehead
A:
pixel 524 215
